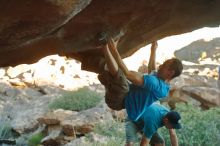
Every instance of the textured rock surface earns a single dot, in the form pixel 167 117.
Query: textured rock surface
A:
pixel 30 30
pixel 208 97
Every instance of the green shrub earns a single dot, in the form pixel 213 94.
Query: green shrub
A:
pixel 200 128
pixel 35 139
pixel 110 129
pixel 82 99
pixel 114 130
pixel 5 130
pixel 22 140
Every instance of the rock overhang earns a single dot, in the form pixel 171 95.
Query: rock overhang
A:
pixel 31 30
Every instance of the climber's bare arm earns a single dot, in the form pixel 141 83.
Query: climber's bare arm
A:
pixel 152 60
pixel 173 137
pixel 135 77
pixel 144 141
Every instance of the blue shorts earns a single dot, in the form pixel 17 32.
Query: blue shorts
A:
pixel 131 131
pixel 133 134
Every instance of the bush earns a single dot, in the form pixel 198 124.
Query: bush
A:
pixel 5 130
pixel 22 140
pixel 35 140
pixel 110 129
pixel 199 128
pixel 115 132
pixel 82 99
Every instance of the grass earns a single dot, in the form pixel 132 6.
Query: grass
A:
pixel 82 99
pixel 5 130
pixel 113 130
pixel 35 139
pixel 200 128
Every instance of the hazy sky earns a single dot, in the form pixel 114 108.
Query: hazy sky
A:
pixel 167 46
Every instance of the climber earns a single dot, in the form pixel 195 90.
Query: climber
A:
pixel 155 117
pixel 142 90
pixel 218 82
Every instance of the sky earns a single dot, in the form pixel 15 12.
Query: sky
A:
pixel 168 45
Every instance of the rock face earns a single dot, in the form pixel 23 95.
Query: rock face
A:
pixel 30 30
pixel 199 90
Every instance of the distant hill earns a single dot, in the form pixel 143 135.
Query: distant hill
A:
pixel 200 49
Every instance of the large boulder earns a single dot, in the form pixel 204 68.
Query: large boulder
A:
pixel 30 30
pixel 208 97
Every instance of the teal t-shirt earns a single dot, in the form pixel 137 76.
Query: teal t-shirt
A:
pixel 151 119
pixel 140 97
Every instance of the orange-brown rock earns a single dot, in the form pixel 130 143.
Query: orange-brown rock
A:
pixel 30 30
pixel 68 130
pixel 48 121
pixel 77 129
pixel 84 129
